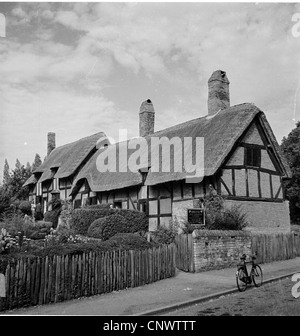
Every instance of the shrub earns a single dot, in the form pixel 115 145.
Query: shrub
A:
pixel 81 219
pixel 229 219
pixel 96 228
pixel 13 223
pixel 129 241
pixel 56 204
pixel 98 206
pixel 6 242
pixel 37 230
pixel 52 216
pixel 163 236
pixel 25 207
pixel 56 237
pixel 220 218
pixel 105 228
pixel 66 212
pixel 137 221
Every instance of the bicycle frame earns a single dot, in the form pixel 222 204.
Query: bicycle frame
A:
pixel 245 278
pixel 244 268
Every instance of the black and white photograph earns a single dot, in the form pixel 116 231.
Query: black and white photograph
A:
pixel 149 162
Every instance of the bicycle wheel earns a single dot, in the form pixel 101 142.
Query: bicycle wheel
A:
pixel 241 280
pixel 257 276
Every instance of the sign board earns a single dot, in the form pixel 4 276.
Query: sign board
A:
pixel 196 216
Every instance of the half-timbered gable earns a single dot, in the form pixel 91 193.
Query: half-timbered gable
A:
pixel 252 171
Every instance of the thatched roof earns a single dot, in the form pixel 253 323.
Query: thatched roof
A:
pixel 66 158
pixel 220 133
pixel 32 180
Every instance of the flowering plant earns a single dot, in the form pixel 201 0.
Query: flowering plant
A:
pixel 77 239
pixel 6 241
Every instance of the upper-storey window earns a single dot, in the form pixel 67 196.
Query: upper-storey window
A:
pixel 252 157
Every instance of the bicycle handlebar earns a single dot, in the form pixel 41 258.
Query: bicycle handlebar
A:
pixel 243 257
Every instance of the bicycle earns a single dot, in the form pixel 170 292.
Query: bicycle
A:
pixel 243 278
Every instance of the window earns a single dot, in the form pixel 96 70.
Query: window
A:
pixel 118 205
pixel 252 156
pixel 77 204
pixel 143 207
pixel 93 200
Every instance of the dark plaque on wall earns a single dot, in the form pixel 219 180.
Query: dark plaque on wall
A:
pixel 196 216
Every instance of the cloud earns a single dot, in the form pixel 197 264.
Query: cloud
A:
pixel 68 18
pixel 82 67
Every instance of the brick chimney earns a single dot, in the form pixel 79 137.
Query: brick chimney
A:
pixel 218 92
pixel 146 115
pixel 51 142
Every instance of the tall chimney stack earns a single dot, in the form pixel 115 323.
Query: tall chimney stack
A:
pixel 146 115
pixel 218 92
pixel 51 142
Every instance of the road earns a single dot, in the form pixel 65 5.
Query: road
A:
pixel 272 299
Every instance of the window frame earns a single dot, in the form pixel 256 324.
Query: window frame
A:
pixel 255 160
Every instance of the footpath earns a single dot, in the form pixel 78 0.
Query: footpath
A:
pixel 162 296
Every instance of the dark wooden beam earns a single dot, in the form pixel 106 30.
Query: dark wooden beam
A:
pixel 245 144
pixel 225 186
pixel 233 182
pixel 247 182
pixel 262 199
pixel 258 182
pixel 263 170
pixel 271 185
pixel 278 192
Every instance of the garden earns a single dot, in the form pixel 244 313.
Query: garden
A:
pixel 81 252
pixel 91 250
pixel 66 231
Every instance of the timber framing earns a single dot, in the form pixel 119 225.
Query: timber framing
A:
pixel 275 195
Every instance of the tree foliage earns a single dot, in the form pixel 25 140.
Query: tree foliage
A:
pixel 12 190
pixel 37 162
pixel 291 149
pixel 6 176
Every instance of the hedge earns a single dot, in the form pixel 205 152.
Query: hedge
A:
pixel 25 207
pixel 130 241
pixel 37 230
pixel 105 228
pixel 52 216
pixel 81 219
pixel 119 241
pixel 137 220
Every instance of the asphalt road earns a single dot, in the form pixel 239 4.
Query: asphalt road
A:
pixel 272 299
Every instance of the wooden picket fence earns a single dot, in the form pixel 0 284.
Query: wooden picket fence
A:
pixel 275 247
pixel 42 280
pixel 185 252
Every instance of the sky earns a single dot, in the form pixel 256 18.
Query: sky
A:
pixel 81 68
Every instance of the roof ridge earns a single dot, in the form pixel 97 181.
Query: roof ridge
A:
pixel 199 118
pixel 70 143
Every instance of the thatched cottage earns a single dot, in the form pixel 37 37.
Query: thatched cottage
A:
pixel 54 178
pixel 242 161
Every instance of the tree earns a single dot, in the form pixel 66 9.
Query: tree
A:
pixel 4 200
pixel 291 149
pixel 17 178
pixel 6 176
pixel 28 168
pixel 12 191
pixel 18 164
pixel 37 162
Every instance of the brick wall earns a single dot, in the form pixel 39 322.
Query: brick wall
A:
pixel 215 249
pixel 265 217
